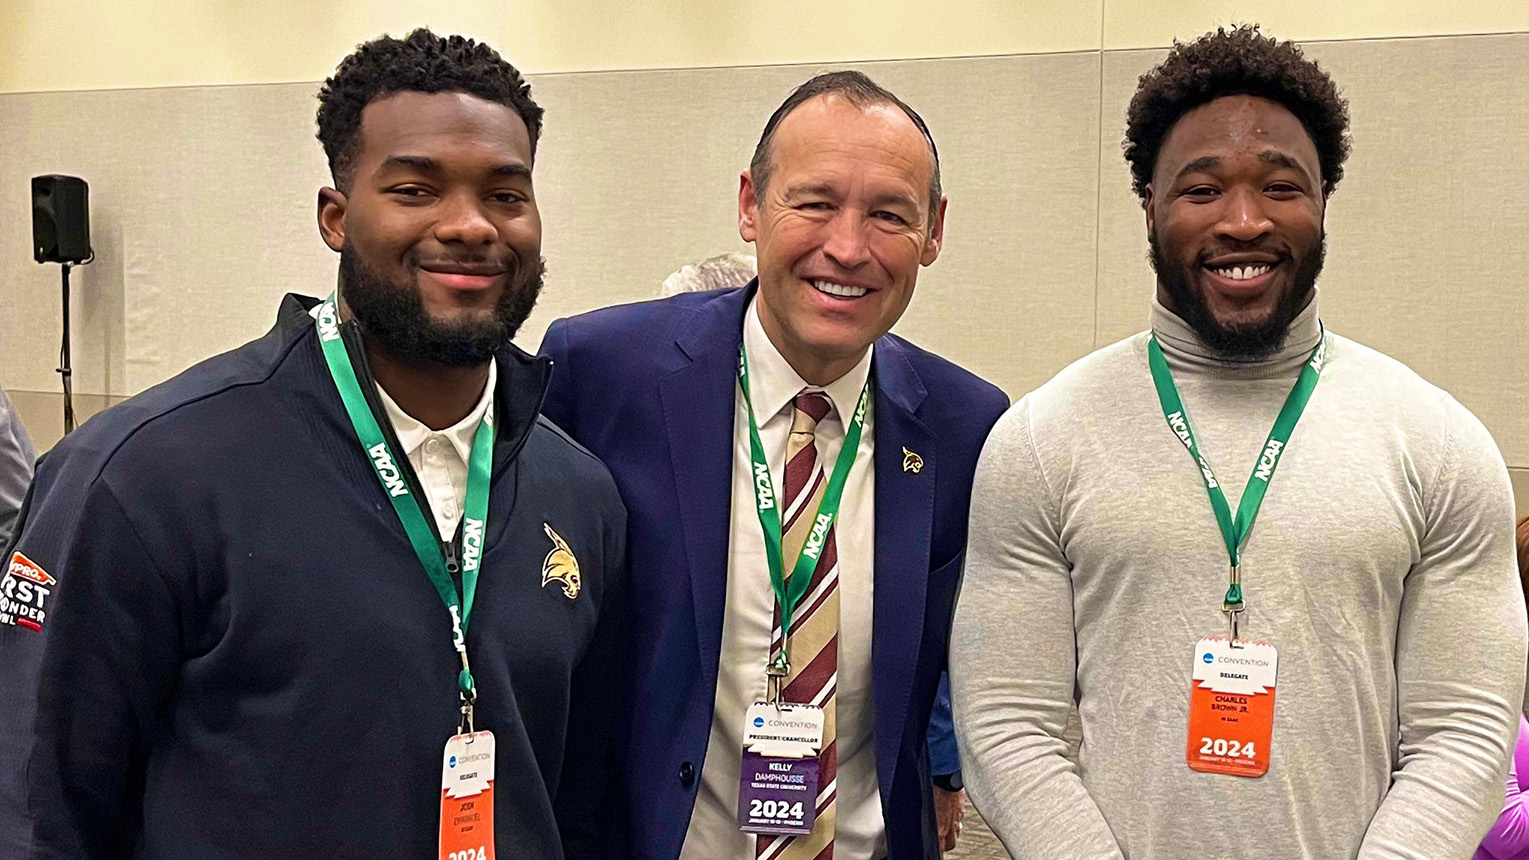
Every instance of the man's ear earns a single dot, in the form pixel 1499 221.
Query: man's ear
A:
pixel 748 207
pixel 331 214
pixel 936 238
pixel 1147 197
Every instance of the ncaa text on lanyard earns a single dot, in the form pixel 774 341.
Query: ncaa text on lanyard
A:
pixel 789 592
pixel 1235 532
pixel 422 535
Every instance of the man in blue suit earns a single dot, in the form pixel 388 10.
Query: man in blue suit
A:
pixel 833 494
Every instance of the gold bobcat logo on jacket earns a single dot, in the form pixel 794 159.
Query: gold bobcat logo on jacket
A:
pixel 912 462
pixel 560 565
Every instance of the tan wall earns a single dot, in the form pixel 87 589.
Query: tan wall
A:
pixel 88 44
pixel 42 413
pixel 203 196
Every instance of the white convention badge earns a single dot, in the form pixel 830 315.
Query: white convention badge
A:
pixel 778 789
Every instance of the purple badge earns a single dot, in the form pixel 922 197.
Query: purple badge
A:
pixel 778 795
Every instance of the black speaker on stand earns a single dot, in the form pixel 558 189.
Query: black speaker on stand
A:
pixel 61 234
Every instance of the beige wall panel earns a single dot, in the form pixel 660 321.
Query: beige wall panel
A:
pixel 1125 277
pixel 1152 23
pixel 202 203
pixel 1520 489
pixel 58 135
pixel 1426 258
pixel 83 44
pixel 42 413
pixel 639 175
pixel 1012 296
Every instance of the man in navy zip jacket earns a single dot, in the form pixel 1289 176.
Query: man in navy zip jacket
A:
pixel 222 639
pixel 843 203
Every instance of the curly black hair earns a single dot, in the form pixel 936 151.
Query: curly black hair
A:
pixel 1240 61
pixel 420 62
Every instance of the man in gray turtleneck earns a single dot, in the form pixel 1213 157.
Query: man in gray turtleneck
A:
pixel 1338 677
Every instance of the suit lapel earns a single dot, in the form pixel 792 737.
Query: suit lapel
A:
pixel 904 518
pixel 698 404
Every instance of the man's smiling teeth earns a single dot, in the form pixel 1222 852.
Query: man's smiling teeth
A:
pixel 1240 273
pixel 839 290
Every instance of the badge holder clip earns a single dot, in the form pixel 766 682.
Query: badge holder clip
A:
pixel 467 693
pixel 1234 605
pixel 775 679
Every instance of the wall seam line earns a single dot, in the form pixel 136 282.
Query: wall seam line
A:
pixel 1099 180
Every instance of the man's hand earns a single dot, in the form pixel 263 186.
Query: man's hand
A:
pixel 949 809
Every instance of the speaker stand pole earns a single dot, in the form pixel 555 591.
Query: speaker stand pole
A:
pixel 64 369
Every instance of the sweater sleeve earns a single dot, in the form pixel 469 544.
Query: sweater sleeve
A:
pixel 103 664
pixel 1460 647
pixel 1509 837
pixel 1013 660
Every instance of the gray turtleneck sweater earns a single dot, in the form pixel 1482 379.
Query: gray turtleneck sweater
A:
pixel 1381 567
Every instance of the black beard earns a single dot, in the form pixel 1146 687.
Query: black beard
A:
pixel 395 315
pixel 1237 344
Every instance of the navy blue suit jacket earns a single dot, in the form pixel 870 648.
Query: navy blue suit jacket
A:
pixel 649 388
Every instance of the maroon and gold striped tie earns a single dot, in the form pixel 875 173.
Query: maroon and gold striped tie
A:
pixel 815 627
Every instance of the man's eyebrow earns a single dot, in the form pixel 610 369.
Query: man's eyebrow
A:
pixel 896 198
pixel 1279 159
pixel 816 189
pixel 511 170
pixel 425 164
pixel 411 162
pixel 1204 162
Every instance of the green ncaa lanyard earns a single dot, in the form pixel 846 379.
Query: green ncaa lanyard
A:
pixel 422 535
pixel 1235 531
pixel 789 593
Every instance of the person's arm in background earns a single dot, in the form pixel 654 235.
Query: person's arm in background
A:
pixel 1460 645
pixel 17 459
pixel 1013 660
pixel 945 765
pixel 1509 837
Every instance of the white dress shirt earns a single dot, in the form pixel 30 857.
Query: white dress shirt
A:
pixel 746 627
pixel 439 457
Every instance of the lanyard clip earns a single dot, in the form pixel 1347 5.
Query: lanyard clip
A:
pixel 467 694
pixel 1234 604
pixel 465 722
pixel 775 678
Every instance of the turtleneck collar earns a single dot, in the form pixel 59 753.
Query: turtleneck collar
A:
pixel 1185 351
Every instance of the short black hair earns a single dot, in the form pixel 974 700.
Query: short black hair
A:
pixel 420 62
pixel 1239 61
pixel 858 89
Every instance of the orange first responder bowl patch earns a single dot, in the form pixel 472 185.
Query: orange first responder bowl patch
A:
pixel 24 592
pixel 28 569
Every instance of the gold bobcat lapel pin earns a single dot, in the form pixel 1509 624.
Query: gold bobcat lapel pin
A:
pixel 560 565
pixel 912 462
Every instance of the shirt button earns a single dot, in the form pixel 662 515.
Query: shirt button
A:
pixel 687 774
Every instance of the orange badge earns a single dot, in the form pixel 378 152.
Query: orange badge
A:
pixel 1231 707
pixel 467 798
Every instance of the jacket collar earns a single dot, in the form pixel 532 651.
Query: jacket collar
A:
pixel 520 387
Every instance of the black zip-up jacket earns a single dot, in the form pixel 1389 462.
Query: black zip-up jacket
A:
pixel 217 642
